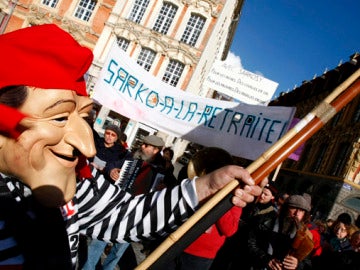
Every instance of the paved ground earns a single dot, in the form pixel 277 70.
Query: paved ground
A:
pixel 137 249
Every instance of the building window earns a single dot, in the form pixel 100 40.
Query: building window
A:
pixel 336 118
pixel 304 157
pixel 165 18
pixel 85 9
pixel 123 43
pixel 146 58
pixel 138 10
pixel 340 159
pixel 173 72
pixel 353 203
pixel 3 18
pixel 193 29
pixel 356 115
pixel 319 158
pixel 50 3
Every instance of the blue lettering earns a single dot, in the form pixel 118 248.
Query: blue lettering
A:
pixel 169 103
pixel 152 99
pixel 130 83
pixel 139 92
pixel 283 129
pixel 250 119
pixel 121 77
pixel 263 127
pixel 254 128
pixel 271 130
pixel 213 116
pixel 182 106
pixel 206 112
pixel 237 117
pixel 224 118
pixel 191 111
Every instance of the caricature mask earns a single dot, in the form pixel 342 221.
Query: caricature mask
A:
pixel 42 139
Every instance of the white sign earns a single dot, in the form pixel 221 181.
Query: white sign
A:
pixel 240 84
pixel 243 130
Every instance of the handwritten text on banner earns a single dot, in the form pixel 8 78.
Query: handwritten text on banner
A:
pixel 243 130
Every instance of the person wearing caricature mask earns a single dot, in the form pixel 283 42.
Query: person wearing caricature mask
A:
pixel 44 137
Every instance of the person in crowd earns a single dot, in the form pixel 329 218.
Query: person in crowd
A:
pixel 182 173
pixel 123 140
pixel 282 241
pixel 280 199
pixel 200 254
pixel 355 241
pixel 108 148
pixel 264 203
pixel 345 218
pixel 45 203
pixel 228 255
pixel 330 234
pixel 341 240
pixel 329 222
pixel 345 255
pixel 152 166
pixel 318 229
pixel 170 180
pixel 149 170
pixel 168 155
pixel 357 221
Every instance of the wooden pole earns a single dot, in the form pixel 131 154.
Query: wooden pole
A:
pixel 261 168
pixel 276 172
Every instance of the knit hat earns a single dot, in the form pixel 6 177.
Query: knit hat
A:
pixel 154 140
pixel 116 129
pixel 43 56
pixel 300 201
pixel 272 188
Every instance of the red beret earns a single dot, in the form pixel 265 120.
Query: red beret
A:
pixel 43 56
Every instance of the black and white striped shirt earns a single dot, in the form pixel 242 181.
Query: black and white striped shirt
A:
pixel 99 209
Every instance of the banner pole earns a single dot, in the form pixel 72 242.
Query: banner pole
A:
pixel 268 161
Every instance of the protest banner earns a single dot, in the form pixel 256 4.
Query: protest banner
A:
pixel 243 130
pixel 243 85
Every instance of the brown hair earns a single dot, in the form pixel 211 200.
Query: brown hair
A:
pixel 13 96
pixel 209 159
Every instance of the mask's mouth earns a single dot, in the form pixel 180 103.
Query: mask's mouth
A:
pixel 71 158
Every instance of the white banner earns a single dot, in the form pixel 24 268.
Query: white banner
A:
pixel 240 84
pixel 243 130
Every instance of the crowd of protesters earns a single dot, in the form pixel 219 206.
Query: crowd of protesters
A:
pixel 276 231
pixel 54 188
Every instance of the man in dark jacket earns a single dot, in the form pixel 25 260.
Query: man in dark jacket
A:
pixel 108 148
pixel 151 167
pixel 272 238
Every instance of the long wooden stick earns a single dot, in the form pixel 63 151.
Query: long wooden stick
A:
pixel 323 112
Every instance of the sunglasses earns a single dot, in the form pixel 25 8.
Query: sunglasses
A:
pixel 109 133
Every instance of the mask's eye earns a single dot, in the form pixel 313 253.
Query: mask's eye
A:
pixel 84 115
pixel 60 120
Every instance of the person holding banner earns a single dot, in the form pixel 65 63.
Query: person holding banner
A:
pixel 43 137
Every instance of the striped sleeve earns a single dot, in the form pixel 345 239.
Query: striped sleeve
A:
pixel 108 213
